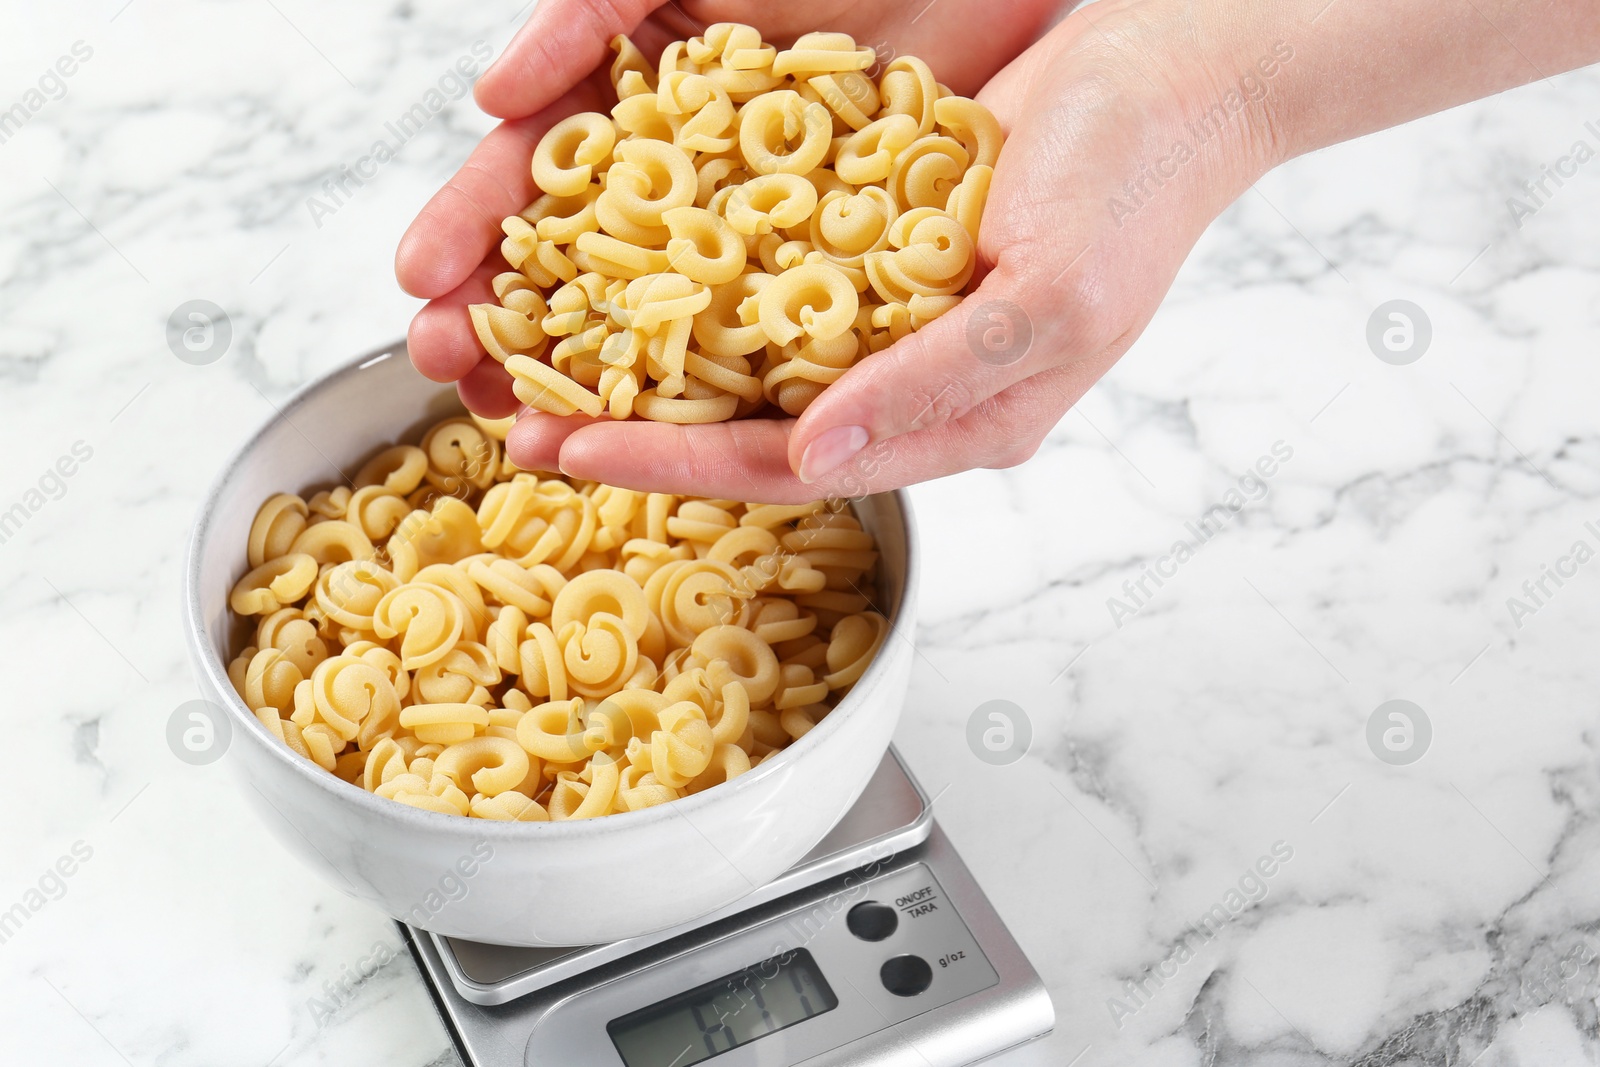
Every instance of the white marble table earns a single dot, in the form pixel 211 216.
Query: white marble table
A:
pixel 1445 911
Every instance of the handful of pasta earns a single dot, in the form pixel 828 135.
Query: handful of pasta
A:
pixel 745 226
pixel 466 637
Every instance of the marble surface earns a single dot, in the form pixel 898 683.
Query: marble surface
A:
pixel 1446 911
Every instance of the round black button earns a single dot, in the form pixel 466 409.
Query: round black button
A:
pixel 906 976
pixel 872 921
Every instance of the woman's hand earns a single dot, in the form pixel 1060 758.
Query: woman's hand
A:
pixel 1089 218
pixel 1131 126
pixel 557 65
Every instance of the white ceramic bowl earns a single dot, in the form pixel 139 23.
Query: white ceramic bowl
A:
pixel 547 883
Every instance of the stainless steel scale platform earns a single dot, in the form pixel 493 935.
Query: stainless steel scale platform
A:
pixel 876 949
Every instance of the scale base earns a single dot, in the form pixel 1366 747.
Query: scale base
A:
pixel 980 996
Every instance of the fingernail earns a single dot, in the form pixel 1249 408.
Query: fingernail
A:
pixel 829 450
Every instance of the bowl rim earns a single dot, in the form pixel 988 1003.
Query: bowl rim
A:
pixel 214 671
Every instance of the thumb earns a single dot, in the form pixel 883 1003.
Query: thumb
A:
pixel 562 42
pixel 1005 331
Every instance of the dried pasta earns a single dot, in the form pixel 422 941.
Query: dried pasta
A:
pixel 461 636
pixel 746 225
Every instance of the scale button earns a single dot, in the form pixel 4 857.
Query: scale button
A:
pixel 906 976
pixel 871 921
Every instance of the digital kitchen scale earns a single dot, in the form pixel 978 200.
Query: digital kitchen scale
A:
pixel 878 948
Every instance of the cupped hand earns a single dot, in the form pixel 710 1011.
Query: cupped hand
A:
pixel 1105 182
pixel 557 66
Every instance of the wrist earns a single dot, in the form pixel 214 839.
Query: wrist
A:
pixel 1206 88
pixel 1236 69
pixel 1360 66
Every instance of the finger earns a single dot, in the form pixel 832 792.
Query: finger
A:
pixel 745 460
pixel 461 223
pixel 740 460
pixel 486 390
pixel 935 375
pixel 1002 431
pixel 534 442
pixel 442 343
pixel 562 41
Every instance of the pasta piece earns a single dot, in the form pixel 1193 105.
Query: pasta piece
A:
pixel 804 371
pixel 273 584
pixel 429 620
pixel 681 750
pixel 492 765
pixel 927 172
pixel 703 247
pixel 967 200
pixel 333 541
pixel 289 631
pixel 508 807
pixel 869 154
pixel 560 219
pixel 732 45
pixel 539 385
pixel 851 95
pixel 376 510
pixel 399 468
pixel 513 326
pixel 973 125
pixel 734 654
pixel 710 125
pixel 772 201
pixel 270 680
pixel 329 504
pixel 908 88
pixel 631 73
pixel 540 260
pixel 460 454
pixel 349 592
pixel 685 411
pixel 856 639
pixel 815 53
pixel 576 798
pixel 461 677
pixel 445 724
pixel 567 155
pixel 769 124
pixel 813 299
pixel 278 522
pixel 847 226
pixel 649 178
pixel 730 325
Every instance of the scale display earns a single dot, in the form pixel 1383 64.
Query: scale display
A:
pixel 724 1014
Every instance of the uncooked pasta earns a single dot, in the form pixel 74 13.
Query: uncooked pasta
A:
pixel 458 635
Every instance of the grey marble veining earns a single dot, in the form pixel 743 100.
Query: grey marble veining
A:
pixel 1442 912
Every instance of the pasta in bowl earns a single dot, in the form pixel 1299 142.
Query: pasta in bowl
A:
pixel 638 734
pixel 453 633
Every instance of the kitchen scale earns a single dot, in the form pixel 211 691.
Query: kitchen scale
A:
pixel 876 949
